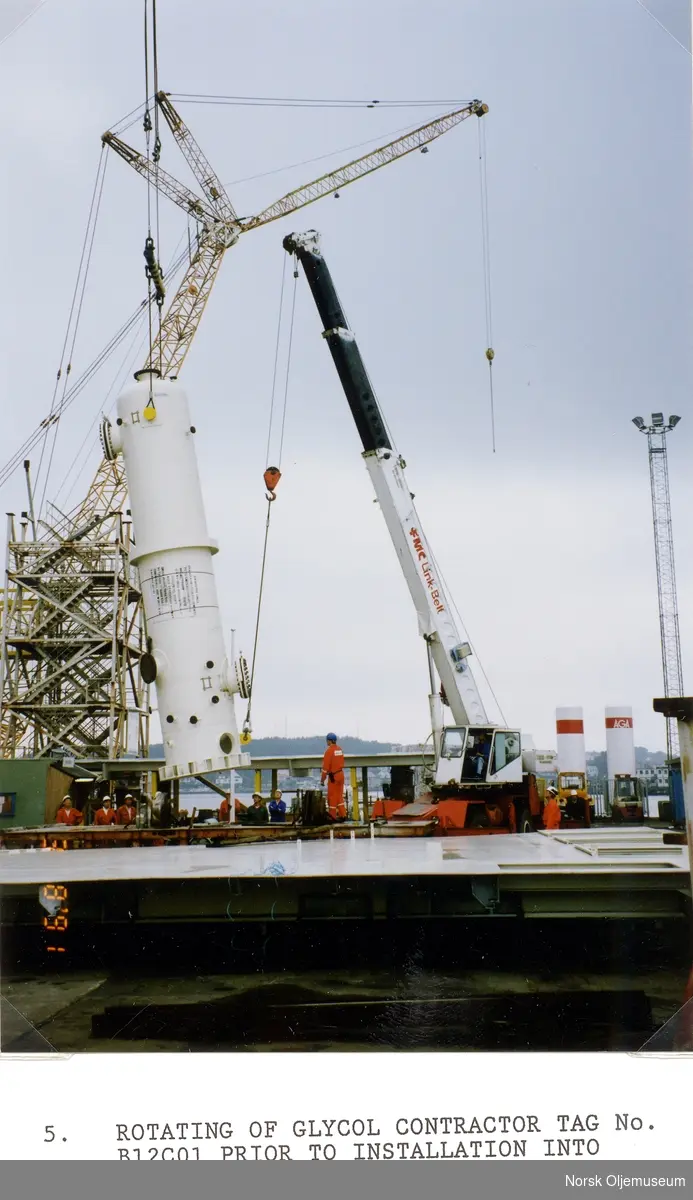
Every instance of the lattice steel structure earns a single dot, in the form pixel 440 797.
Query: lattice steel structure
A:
pixel 73 633
pixel 672 670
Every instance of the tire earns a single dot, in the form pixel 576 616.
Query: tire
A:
pixel 525 823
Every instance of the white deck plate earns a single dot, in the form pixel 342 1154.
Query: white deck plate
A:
pixel 594 852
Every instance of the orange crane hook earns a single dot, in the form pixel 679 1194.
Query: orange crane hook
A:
pixel 271 477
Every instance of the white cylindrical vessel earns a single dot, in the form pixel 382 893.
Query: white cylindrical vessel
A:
pixel 570 740
pixel 173 552
pixel 620 746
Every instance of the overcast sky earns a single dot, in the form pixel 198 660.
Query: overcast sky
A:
pixel 546 545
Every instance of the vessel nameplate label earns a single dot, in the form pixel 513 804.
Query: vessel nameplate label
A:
pixel 174 591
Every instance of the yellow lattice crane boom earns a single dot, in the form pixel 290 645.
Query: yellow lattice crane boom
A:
pixel 219 227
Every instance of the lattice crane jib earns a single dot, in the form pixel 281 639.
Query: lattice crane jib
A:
pixel 218 224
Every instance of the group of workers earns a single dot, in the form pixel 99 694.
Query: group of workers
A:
pixel 257 813
pixel 274 813
pixel 107 814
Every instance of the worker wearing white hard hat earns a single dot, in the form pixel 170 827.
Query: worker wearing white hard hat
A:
pixel 67 813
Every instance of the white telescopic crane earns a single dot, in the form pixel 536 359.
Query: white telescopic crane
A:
pixel 472 750
pixel 446 649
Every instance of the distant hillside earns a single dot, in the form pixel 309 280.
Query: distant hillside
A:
pixel 643 758
pixel 274 746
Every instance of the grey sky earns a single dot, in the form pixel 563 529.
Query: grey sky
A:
pixel 547 544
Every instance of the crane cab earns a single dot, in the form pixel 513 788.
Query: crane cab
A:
pixel 472 755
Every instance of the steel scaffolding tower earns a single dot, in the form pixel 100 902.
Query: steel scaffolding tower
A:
pixel 672 670
pixel 72 633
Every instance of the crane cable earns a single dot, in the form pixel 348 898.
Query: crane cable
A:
pixel 71 331
pixel 486 254
pixel 272 475
pixel 155 280
pixel 147 126
pixel 39 434
pixel 158 278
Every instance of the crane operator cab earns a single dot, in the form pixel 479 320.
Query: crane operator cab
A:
pixel 472 755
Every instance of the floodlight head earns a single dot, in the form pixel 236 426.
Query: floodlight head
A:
pixel 673 421
pixel 639 423
pixel 658 419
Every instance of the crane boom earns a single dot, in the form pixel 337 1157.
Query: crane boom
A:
pixel 165 183
pixel 373 161
pixel 219 228
pixel 200 166
pixel 386 469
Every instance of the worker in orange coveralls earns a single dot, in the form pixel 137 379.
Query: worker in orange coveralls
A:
pixel 552 810
pixel 126 814
pixel 67 815
pixel 106 814
pixel 333 771
pixel 224 814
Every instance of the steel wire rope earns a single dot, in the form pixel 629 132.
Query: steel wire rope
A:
pixel 157 155
pixel 121 373
pixel 303 102
pixel 465 630
pixel 147 122
pixel 270 499
pixel 288 369
pixel 56 423
pixel 22 22
pixel 85 242
pixel 276 361
pixel 486 259
pixel 662 26
pixel 9 467
pixel 131 118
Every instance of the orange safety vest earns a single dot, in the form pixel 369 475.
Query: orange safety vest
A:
pixel 105 817
pixel 125 815
pixel 70 816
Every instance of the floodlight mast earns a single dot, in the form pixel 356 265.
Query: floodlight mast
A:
pixel 672 670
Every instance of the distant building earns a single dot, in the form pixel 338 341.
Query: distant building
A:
pixel 654 777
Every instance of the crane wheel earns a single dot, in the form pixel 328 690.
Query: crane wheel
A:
pixel 525 823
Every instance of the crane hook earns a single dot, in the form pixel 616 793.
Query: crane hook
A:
pixel 271 477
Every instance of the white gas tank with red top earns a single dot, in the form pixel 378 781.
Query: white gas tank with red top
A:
pixel 570 740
